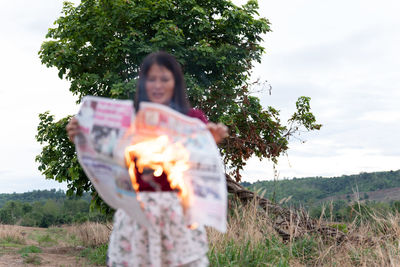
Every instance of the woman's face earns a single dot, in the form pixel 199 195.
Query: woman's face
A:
pixel 160 84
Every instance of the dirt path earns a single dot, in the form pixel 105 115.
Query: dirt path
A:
pixel 30 246
pixel 44 259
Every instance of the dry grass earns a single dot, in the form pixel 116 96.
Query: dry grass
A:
pixel 90 234
pixel 374 241
pixel 245 225
pixel 12 234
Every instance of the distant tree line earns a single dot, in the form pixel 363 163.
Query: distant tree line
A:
pixel 36 195
pixel 44 208
pixel 343 211
pixel 311 191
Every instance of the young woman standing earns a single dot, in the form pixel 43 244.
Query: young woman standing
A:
pixel 169 242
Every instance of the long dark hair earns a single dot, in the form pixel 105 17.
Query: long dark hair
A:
pixel 179 100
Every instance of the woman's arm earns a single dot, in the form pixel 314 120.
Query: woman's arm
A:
pixel 218 130
pixel 72 129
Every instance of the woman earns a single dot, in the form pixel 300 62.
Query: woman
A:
pixel 169 242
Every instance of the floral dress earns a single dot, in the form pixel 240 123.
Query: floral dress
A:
pixel 167 242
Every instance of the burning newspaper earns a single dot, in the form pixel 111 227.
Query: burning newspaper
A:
pixel 113 142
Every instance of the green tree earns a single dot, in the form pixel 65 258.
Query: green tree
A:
pixel 99 44
pixel 11 212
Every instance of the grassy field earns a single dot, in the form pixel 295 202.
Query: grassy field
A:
pixel 249 241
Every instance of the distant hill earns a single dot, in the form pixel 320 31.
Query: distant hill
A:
pixel 383 195
pixel 312 190
pixel 43 208
pixel 37 195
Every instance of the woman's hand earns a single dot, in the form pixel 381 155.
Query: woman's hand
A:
pixel 219 131
pixel 72 129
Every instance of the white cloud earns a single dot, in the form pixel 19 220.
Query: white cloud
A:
pixel 382 116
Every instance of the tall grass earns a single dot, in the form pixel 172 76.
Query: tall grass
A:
pixel 90 234
pixel 11 235
pixel 245 226
pixel 371 240
pixel 250 240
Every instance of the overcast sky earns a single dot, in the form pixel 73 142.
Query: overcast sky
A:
pixel 342 54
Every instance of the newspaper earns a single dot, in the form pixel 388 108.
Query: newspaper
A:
pixel 104 124
pixel 109 126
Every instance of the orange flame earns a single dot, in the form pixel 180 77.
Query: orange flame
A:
pixel 161 155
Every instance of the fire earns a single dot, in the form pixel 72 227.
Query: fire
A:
pixel 161 155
